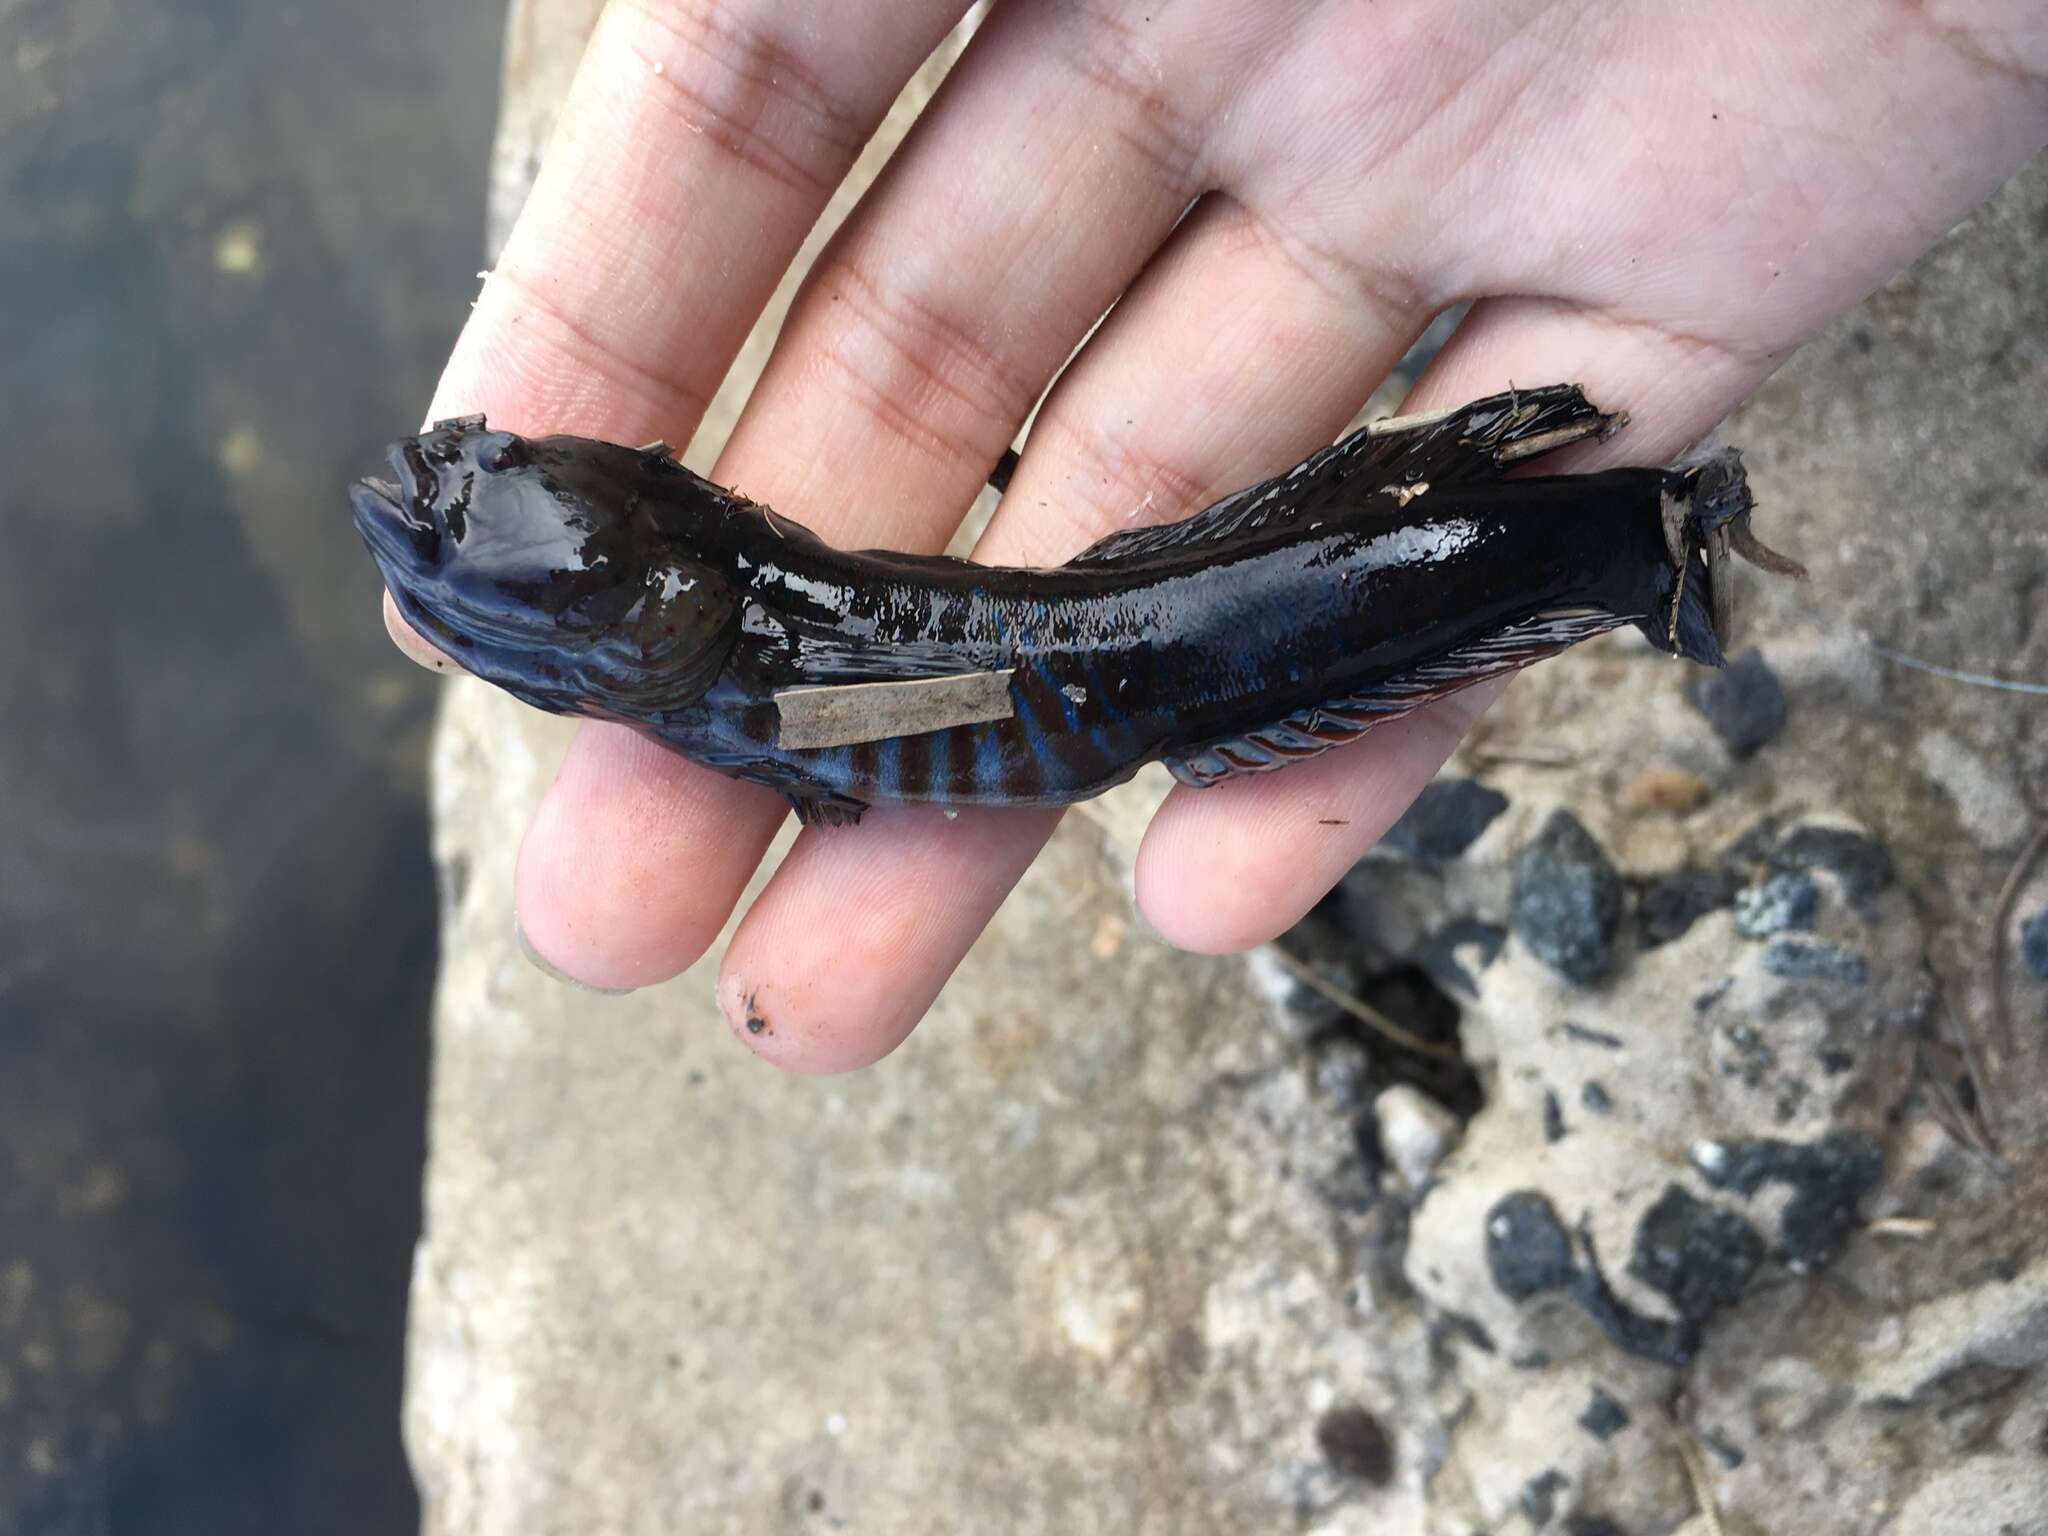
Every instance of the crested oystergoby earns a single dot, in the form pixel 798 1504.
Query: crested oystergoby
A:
pixel 1395 567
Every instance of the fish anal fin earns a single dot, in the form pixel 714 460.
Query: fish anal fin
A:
pixel 1309 732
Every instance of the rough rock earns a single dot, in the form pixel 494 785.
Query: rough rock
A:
pixel 1445 819
pixel 1566 903
pixel 2034 944
pixel 1672 903
pixel 1743 702
pixel 1105 1246
pixel 1415 1131
pixel 1782 902
pixel 1699 1256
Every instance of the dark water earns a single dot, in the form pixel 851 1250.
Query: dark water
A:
pixel 236 238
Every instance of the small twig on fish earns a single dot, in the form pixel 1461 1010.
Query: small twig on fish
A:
pixel 2001 919
pixel 1363 1011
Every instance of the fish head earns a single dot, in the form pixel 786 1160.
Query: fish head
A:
pixel 548 566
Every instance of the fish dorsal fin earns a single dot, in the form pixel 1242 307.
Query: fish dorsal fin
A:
pixel 1307 732
pixel 1380 468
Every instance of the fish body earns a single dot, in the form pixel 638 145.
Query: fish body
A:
pixel 1395 567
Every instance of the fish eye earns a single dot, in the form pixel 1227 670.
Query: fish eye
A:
pixel 502 453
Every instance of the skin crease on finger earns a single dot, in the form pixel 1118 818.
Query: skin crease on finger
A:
pixel 1405 156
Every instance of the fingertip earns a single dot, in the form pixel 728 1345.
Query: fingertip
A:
pixel 853 939
pixel 633 860
pixel 1210 889
pixel 411 644
pixel 819 1040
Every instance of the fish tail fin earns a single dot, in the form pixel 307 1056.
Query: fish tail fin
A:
pixel 1707 513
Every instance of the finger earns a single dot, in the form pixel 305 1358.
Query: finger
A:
pixel 609 909
pixel 1261 363
pixel 1260 359
pixel 828 988
pixel 1225 868
pixel 698 145
pixel 934 320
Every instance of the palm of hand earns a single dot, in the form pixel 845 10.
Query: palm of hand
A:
pixel 1658 203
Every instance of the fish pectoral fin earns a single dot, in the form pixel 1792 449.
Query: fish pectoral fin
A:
pixel 825 809
pixel 1381 468
pixel 1307 732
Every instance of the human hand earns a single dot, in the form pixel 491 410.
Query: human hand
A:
pixel 1670 199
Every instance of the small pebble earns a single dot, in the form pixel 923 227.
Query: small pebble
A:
pixel 1784 901
pixel 1565 900
pixel 1860 863
pixel 1415 1132
pixel 1742 702
pixel 1604 1417
pixel 1671 790
pixel 1700 1255
pixel 1528 1250
pixel 1669 906
pixel 1813 960
pixel 1445 820
pixel 2034 944
pixel 1356 1446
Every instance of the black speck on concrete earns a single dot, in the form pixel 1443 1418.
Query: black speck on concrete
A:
pixel 1596 1098
pixel 1742 702
pixel 1565 900
pixel 1783 902
pixel 1470 1329
pixel 1835 1062
pixel 1445 820
pixel 1604 1417
pixel 1829 1177
pixel 2034 944
pixel 1726 1451
pixel 1814 960
pixel 1701 1256
pixel 1587 1035
pixel 1591 1525
pixel 1528 1250
pixel 1672 904
pixel 1553 1117
pixel 1860 863
pixel 1355 1444
pixel 1539 1496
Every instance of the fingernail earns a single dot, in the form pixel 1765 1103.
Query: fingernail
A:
pixel 540 963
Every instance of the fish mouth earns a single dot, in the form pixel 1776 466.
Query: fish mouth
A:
pixel 395 533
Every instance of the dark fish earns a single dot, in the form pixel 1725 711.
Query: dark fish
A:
pixel 1391 569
